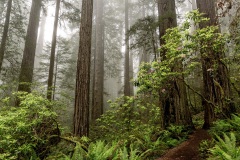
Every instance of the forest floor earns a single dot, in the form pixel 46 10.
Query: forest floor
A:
pixel 187 150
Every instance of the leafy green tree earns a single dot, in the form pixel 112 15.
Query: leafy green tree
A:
pixel 177 106
pixel 216 84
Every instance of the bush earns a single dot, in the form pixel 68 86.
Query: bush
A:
pixel 27 131
pixel 137 123
pixel 127 116
pixel 204 147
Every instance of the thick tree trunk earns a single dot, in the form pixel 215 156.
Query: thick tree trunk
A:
pixel 53 48
pixel 213 85
pixel 180 100
pixel 127 91
pixel 174 105
pixel 167 17
pixel 5 33
pixel 27 66
pixel 81 109
pixel 97 109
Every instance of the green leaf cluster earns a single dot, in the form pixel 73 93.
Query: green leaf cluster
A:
pixel 226 148
pixel 27 131
pixel 226 142
pixel 135 122
pixel 179 56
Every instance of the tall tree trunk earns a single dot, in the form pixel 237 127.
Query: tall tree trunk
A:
pixel 27 66
pixel 127 91
pixel 167 17
pixel 53 48
pixel 131 74
pixel 97 109
pixel 81 109
pixel 5 33
pixel 94 42
pixel 55 77
pixel 40 42
pixel 175 103
pixel 213 85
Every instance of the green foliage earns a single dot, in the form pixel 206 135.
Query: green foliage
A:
pixel 27 131
pixel 143 33
pixel 100 150
pixel 227 126
pixel 134 121
pixel 226 149
pixel 128 115
pixel 133 154
pixel 204 147
pixel 178 132
pixel 180 48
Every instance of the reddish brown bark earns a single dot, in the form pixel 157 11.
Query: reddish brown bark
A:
pixel 81 109
pixel 215 79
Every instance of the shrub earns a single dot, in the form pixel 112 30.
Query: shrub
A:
pixel 27 131
pixel 204 147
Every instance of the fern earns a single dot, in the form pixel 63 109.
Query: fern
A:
pixel 226 148
pixel 133 154
pixel 100 150
pixel 79 152
pixel 235 122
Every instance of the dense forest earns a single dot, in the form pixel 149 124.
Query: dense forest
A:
pixel 118 79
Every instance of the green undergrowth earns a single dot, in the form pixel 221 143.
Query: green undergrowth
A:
pixel 226 140
pixel 123 133
pixel 31 132
pixel 138 146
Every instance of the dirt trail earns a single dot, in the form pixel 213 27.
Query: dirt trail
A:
pixel 187 150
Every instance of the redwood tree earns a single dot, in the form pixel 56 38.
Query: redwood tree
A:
pixel 81 108
pixel 127 90
pixel 216 86
pixel 27 66
pixel 40 41
pixel 53 48
pixel 97 106
pixel 174 103
pixel 5 33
